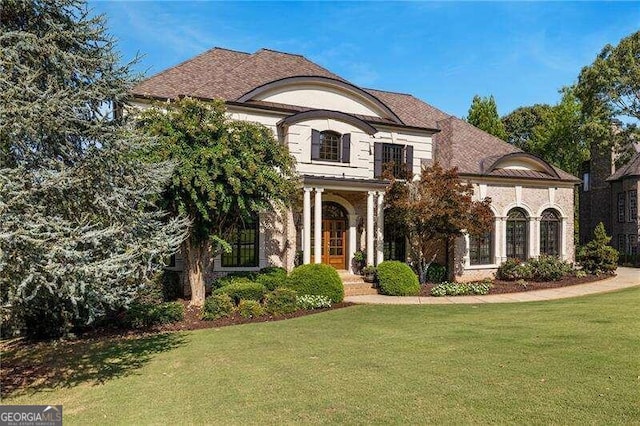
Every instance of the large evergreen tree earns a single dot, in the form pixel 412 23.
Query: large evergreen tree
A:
pixel 79 231
pixel 227 172
pixel 483 114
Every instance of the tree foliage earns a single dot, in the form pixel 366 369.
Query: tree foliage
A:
pixel 226 173
pixel 438 206
pixel 483 114
pixel 521 122
pixel 609 90
pixel 554 133
pixel 79 232
pixel 597 257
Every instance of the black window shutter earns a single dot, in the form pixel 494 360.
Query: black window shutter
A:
pixel 409 158
pixel 346 147
pixel 315 144
pixel 377 160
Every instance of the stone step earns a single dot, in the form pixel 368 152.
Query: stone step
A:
pixel 359 289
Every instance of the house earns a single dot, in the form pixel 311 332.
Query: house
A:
pixel 341 135
pixel 609 194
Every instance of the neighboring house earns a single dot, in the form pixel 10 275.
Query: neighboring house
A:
pixel 610 196
pixel 341 135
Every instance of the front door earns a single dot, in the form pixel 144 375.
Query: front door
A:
pixel 334 248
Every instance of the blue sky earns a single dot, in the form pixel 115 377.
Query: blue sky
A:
pixel 443 53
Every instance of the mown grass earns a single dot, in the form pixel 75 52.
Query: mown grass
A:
pixel 574 361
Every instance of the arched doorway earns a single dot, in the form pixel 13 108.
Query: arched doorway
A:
pixel 334 235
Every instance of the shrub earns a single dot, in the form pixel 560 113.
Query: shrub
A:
pixel 512 270
pixel 397 279
pixel 272 277
pixel 312 301
pixel 170 284
pixel 580 274
pixel 273 270
pixel 549 268
pixel 243 289
pixel 460 289
pixel 281 301
pixel 436 273
pixel 317 279
pixel 233 277
pixel 217 306
pixel 250 309
pixel 597 257
pixel 146 315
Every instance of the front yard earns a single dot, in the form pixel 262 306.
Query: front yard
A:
pixel 568 361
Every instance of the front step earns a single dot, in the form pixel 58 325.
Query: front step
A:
pixel 354 285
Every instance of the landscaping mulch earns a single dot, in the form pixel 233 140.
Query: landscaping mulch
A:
pixel 192 319
pixel 502 287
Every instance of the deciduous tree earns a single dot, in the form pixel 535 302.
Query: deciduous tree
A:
pixel 609 89
pixel 438 206
pixel 227 171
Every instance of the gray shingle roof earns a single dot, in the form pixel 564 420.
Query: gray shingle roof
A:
pixel 632 168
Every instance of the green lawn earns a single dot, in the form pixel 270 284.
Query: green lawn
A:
pixel 574 361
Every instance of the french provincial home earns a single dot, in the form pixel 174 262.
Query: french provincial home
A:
pixel 341 135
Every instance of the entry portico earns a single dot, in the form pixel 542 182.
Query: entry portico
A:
pixel 346 215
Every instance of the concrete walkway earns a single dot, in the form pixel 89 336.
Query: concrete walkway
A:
pixel 626 277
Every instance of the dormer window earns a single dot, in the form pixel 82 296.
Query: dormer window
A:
pixel 330 146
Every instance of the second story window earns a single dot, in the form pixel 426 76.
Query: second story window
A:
pixel 633 206
pixel 330 146
pixel 586 184
pixel 621 206
pixel 392 157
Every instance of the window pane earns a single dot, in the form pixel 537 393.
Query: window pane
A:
pixel 393 157
pixel 517 237
pixel 244 247
pixel 480 249
pixel 329 146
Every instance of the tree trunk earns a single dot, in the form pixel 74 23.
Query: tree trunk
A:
pixel 195 255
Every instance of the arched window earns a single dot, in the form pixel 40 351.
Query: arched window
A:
pixel 517 234
pixel 549 233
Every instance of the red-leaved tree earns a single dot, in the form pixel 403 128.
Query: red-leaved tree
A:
pixel 436 208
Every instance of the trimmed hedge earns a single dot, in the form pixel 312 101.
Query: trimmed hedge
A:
pixel 243 290
pixel 217 306
pixel 272 277
pixel 397 279
pixel 281 301
pixel 317 279
pixel 250 309
pixel 232 277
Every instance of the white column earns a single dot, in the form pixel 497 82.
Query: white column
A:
pixel 498 238
pixel 467 253
pixel 563 238
pixel 380 229
pixel 353 224
pixel 534 237
pixel 317 226
pixel 370 259
pixel 503 239
pixel 306 227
